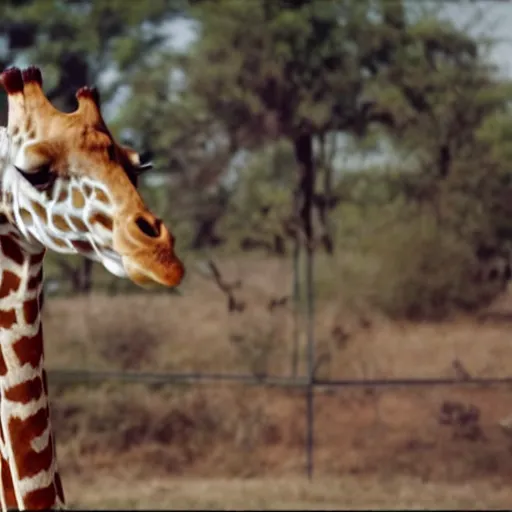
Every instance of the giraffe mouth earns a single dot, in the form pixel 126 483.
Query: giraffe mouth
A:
pixel 141 271
pixel 171 275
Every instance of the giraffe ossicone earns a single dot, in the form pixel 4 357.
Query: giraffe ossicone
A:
pixel 68 186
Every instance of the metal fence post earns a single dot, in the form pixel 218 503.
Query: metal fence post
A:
pixel 310 391
pixel 296 309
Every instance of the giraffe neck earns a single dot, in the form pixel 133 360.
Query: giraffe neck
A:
pixel 5 155
pixel 28 470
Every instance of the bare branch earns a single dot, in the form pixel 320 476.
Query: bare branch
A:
pixel 227 288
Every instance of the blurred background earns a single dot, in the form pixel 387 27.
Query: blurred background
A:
pixel 338 178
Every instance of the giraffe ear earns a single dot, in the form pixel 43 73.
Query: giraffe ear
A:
pixel 141 162
pixel 145 161
pixel 142 168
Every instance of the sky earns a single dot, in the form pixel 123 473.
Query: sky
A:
pixel 493 17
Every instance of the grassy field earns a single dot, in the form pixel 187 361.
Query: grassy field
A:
pixel 323 493
pixel 228 447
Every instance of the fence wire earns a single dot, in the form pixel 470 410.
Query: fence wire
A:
pixel 60 376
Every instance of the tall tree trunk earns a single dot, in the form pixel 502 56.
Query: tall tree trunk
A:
pixel 303 146
pixel 324 200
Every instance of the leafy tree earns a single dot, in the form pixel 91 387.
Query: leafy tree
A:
pixel 302 70
pixel 308 72
pixel 77 42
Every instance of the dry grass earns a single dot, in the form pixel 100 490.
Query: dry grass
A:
pixel 195 332
pixel 143 447
pixel 344 493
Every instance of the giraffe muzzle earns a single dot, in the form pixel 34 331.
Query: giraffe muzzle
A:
pixel 147 250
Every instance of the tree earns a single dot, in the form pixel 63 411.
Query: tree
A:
pixel 301 70
pixel 307 73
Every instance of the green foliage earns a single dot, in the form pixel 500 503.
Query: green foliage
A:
pixel 424 271
pixel 261 199
pixel 265 69
pixel 76 42
pixel 388 80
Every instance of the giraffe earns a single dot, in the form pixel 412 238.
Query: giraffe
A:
pixel 68 186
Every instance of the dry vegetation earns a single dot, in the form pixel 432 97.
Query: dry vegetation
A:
pixel 224 446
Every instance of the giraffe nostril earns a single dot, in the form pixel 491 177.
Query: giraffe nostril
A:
pixel 150 230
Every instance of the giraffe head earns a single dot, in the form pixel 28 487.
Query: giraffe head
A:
pixel 69 186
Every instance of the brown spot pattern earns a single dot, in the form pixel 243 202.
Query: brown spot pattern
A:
pixel 77 198
pixel 22 432
pixel 60 222
pixel 58 242
pixel 7 318
pixel 3 368
pixel 40 211
pixel 87 190
pixel 41 498
pixel 102 197
pixel 31 311
pixel 63 195
pixel 78 224
pixel 11 249
pixel 29 349
pixel 35 259
pixel 26 391
pixel 26 216
pixel 34 281
pixel 100 218
pixel 10 283
pixel 7 486
pixel 82 246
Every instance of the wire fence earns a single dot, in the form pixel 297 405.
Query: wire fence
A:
pixel 59 376
pixel 308 384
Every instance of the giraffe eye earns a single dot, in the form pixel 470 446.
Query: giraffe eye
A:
pixel 41 178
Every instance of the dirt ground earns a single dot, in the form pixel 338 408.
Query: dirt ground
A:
pixel 231 447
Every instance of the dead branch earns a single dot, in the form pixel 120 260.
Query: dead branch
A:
pixel 227 288
pixel 277 302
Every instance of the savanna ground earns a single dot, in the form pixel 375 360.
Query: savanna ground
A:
pixel 233 446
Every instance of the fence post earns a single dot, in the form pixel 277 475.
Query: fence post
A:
pixel 296 308
pixel 310 392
